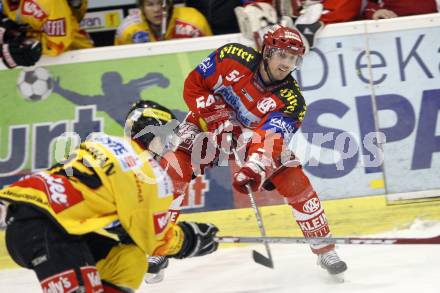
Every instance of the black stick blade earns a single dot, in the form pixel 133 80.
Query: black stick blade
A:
pixel 262 260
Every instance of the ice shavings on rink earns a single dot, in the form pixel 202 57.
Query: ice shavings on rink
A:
pixel 371 269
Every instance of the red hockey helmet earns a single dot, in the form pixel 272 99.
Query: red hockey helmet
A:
pixel 286 38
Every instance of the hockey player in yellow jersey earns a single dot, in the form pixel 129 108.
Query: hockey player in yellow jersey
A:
pixel 159 20
pixel 56 218
pixel 55 23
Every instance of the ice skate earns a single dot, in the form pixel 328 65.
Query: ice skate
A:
pixel 156 269
pixel 331 262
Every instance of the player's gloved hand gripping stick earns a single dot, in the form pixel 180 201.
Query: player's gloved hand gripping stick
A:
pixel 258 257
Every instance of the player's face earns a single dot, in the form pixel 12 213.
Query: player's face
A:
pixel 282 63
pixel 153 11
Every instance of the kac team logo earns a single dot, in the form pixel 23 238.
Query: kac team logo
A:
pixel 266 105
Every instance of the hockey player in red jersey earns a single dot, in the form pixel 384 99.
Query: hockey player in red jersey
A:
pixel 237 90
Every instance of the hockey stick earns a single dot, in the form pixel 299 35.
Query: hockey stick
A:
pixel 258 257
pixel 337 240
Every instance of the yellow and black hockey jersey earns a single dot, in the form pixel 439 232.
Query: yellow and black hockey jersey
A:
pixel 185 22
pixel 107 179
pixel 52 22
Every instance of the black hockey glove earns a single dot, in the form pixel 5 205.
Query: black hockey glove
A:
pixel 199 239
pixel 26 53
pixel 11 31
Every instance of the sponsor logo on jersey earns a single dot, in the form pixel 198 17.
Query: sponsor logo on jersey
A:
pixel 266 105
pixel 63 282
pixel 312 205
pixel 122 150
pixel 174 214
pixel 55 188
pixel 129 162
pixel 208 66
pixel 92 280
pixel 281 124
pixel 291 98
pixel 318 223
pixel 185 30
pixel 236 51
pixel 302 114
pixel 140 37
pixel 31 8
pixel 246 117
pixel 160 221
pixel 55 27
pixel 58 189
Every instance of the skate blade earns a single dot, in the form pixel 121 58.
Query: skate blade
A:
pixel 154 278
pixel 338 278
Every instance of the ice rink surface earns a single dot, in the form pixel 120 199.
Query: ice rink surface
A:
pixel 371 269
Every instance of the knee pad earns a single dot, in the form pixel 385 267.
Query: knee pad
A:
pixel 125 265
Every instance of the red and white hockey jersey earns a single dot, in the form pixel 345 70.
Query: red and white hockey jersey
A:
pixel 231 73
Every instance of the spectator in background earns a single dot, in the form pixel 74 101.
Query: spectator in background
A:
pixel 381 9
pixel 308 16
pixel 314 14
pixel 159 20
pixel 335 11
pixel 54 23
pixel 332 11
pixel 219 13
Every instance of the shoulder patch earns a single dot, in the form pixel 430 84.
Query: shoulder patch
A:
pixel 238 52
pixel 208 66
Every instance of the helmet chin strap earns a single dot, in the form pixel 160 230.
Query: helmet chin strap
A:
pixel 266 68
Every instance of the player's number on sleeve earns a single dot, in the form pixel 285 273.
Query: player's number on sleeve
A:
pixel 232 76
pixel 201 103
